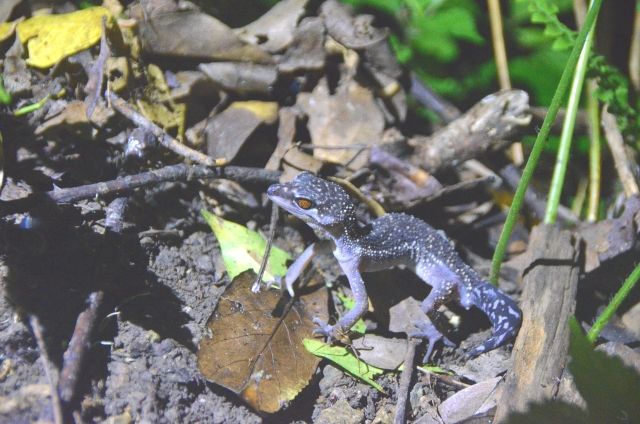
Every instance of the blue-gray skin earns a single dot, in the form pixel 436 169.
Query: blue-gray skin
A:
pixel 393 239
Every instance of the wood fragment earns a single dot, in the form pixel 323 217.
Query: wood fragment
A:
pixel 122 185
pixel 548 300
pixel 49 369
pixel 405 381
pixel 490 124
pixel 620 158
pixel 74 356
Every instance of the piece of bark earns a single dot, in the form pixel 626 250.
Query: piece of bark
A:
pixel 489 125
pixel 548 300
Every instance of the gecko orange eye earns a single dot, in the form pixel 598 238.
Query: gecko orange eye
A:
pixel 304 203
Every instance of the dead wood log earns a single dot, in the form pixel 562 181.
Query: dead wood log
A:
pixel 548 300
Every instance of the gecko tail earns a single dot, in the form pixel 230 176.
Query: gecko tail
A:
pixel 502 311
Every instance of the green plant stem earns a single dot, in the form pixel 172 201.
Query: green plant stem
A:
pixel 32 107
pixel 5 96
pixel 532 162
pixel 593 204
pixel 613 306
pixel 564 149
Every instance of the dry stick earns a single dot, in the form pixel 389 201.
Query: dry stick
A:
pixel 500 55
pixel 96 75
pixel 75 354
pixel 163 138
pixel 405 381
pixel 265 257
pixel 119 186
pixel 634 52
pixel 616 145
pixel 49 370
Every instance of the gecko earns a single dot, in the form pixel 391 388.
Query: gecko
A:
pixel 391 240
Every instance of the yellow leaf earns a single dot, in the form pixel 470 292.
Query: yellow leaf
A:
pixel 265 111
pixel 51 38
pixel 6 30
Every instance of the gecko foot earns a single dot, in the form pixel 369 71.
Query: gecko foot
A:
pixel 428 331
pixel 323 329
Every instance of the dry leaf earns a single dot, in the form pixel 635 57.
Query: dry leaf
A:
pixel 350 118
pixel 476 399
pixel 256 348
pixel 227 132
pixel 196 35
pixel 273 31
pixel 51 38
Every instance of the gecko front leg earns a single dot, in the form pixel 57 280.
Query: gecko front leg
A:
pixel 298 266
pixel 341 328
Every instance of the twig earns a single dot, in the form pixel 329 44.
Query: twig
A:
pixel 373 206
pixel 96 75
pixel 163 138
pixel 634 52
pixel 49 369
pixel 122 185
pixel 429 99
pixel 405 381
pixel 500 56
pixel 267 250
pixel 75 354
pixel 499 50
pixel 616 145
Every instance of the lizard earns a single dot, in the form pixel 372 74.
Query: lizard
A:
pixel 390 240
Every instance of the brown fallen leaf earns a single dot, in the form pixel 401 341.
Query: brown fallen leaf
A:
pixel 306 51
pixel 477 399
pixel 345 122
pixel 240 77
pixel 255 348
pixel 227 132
pixel 273 31
pixel 73 119
pixel 196 35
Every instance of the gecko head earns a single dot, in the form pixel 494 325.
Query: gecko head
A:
pixel 318 202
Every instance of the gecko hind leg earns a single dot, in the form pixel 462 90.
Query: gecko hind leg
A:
pixel 429 330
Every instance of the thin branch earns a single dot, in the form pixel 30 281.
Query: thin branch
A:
pixel 502 67
pixel 165 139
pixel 49 369
pixel 616 145
pixel 634 51
pixel 405 381
pixel 75 354
pixel 122 185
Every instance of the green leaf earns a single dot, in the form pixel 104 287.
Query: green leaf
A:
pixel 359 327
pixel 243 249
pixel 608 386
pixel 345 360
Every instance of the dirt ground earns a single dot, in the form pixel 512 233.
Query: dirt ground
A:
pixel 160 289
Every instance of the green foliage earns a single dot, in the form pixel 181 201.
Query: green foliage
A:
pixel 613 87
pixel 243 249
pixel 346 360
pixel 546 12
